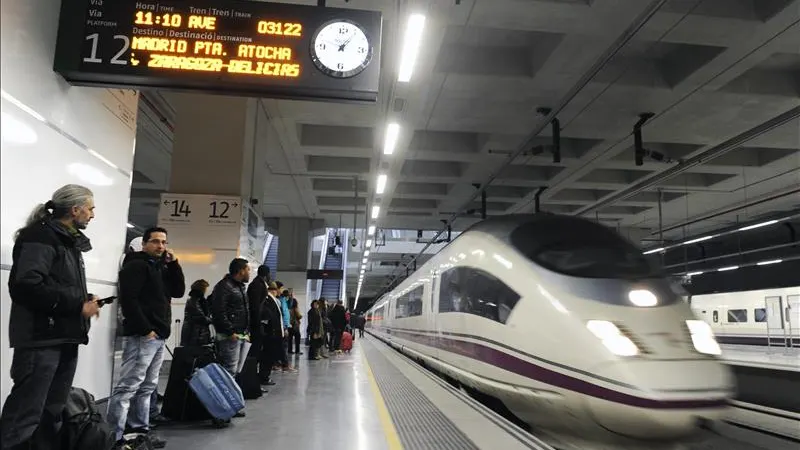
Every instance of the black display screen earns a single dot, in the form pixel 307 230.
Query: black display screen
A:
pixel 234 47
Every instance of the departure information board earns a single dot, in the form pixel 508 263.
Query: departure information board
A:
pixel 247 48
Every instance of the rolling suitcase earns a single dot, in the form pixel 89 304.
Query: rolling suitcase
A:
pixel 217 391
pixel 248 379
pixel 347 342
pixel 180 403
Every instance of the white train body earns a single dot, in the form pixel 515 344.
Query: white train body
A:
pixel 519 332
pixel 760 317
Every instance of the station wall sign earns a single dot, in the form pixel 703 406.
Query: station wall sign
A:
pixel 249 48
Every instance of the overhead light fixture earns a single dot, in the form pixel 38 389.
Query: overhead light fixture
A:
pixel 725 269
pixel 655 250
pixel 376 210
pixel 363 267
pixel 130 225
pixel 369 243
pixel 642 297
pixel 366 252
pixel 390 141
pixel 371 231
pixel 694 241
pixel 766 263
pixel 380 186
pixel 364 261
pixel 758 225
pixel 411 44
pixel 691 274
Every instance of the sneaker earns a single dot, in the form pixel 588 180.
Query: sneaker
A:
pixel 121 444
pixel 289 369
pixel 240 414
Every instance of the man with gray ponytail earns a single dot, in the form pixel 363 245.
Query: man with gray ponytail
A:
pixel 50 312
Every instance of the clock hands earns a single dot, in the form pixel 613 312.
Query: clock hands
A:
pixel 341 47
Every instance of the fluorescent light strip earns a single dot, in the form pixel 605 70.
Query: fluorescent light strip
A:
pixel 766 263
pixel 692 274
pixel 411 43
pixel 758 225
pixel 364 261
pixel 366 252
pixel 655 250
pixel 694 241
pixel 725 269
pixel 380 186
pixel 371 231
pixel 376 211
pixel 369 243
pixel 130 225
pixel 390 142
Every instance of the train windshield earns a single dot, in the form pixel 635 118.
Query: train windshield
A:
pixel 582 249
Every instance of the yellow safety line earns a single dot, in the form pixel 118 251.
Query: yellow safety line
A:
pixel 383 413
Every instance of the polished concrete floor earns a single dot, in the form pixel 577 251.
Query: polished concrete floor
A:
pixel 328 405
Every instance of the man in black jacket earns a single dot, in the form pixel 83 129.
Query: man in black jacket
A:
pixel 231 315
pixel 148 282
pixel 339 321
pixel 259 323
pixel 50 312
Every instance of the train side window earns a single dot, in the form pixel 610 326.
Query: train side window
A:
pixel 715 316
pixel 414 307
pixel 760 314
pixel 401 307
pixel 474 291
pixel 737 315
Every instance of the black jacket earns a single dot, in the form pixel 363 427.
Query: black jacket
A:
pixel 338 318
pixel 196 319
pixel 272 313
pixel 147 286
pixel 256 298
pixel 47 284
pixel 229 307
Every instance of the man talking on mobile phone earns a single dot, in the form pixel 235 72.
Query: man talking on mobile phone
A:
pixel 148 282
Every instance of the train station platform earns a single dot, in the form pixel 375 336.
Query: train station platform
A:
pixel 774 358
pixel 371 399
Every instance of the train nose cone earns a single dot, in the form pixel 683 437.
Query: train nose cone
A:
pixel 661 399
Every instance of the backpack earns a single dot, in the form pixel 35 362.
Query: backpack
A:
pixel 83 428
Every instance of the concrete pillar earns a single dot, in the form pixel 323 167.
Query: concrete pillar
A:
pixel 294 254
pixel 207 212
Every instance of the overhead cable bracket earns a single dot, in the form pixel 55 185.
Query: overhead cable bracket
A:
pixel 638 146
pixel 556 132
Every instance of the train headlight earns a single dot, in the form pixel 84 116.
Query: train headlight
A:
pixel 703 337
pixel 616 342
pixel 642 297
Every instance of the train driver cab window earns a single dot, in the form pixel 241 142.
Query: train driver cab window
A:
pixel 760 314
pixel 737 315
pixel 473 291
pixel 715 316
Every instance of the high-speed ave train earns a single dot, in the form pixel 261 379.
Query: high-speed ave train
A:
pixel 565 323
pixel 766 317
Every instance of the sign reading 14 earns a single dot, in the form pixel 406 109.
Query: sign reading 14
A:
pixel 219 209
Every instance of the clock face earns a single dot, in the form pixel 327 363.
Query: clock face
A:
pixel 341 49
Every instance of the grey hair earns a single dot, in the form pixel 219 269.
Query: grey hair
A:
pixel 61 203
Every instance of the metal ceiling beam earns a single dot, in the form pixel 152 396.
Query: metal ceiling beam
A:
pixel 598 65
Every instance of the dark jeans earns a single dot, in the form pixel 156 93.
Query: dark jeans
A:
pixel 316 345
pixel 277 351
pixel 263 352
pixel 42 381
pixel 361 332
pixel 336 339
pixel 294 338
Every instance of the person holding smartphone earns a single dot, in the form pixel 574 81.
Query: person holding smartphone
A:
pixel 148 281
pixel 50 316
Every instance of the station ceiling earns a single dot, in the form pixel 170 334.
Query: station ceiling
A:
pixel 721 76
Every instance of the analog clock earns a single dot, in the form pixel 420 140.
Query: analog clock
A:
pixel 341 49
